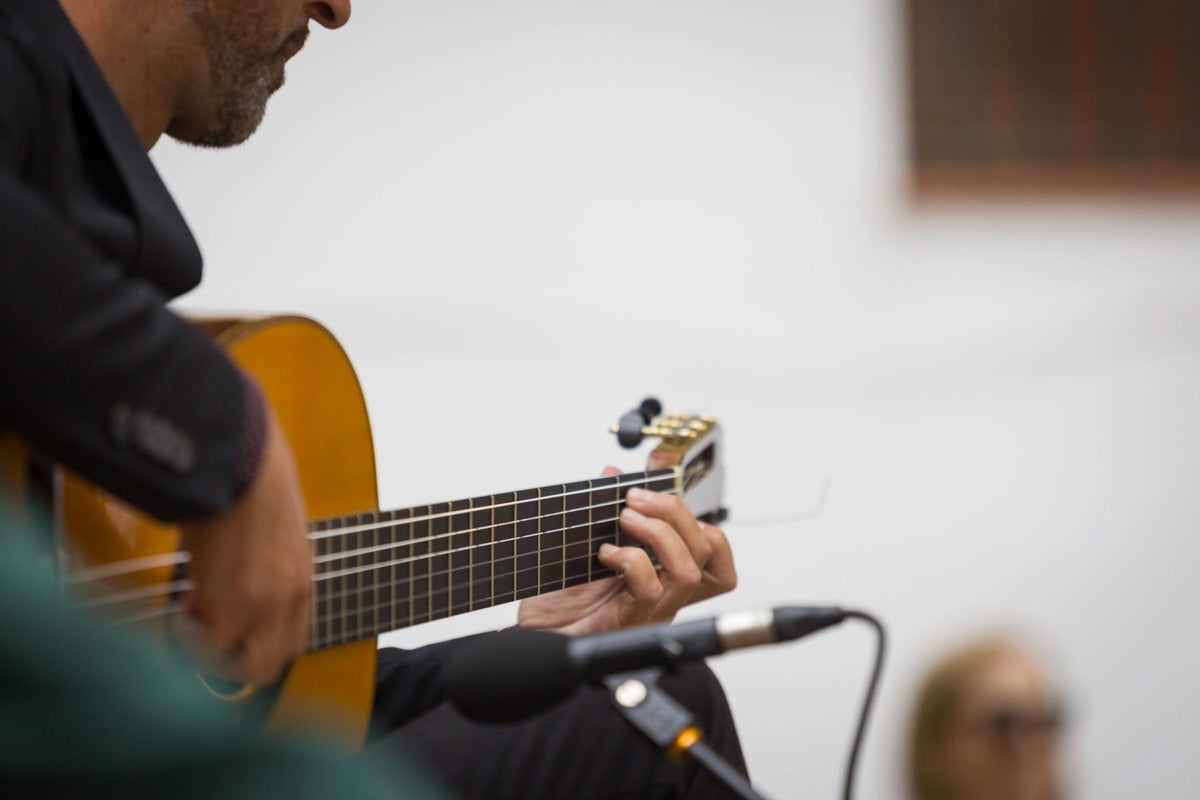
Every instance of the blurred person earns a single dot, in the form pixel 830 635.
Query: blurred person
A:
pixel 986 727
pixel 123 721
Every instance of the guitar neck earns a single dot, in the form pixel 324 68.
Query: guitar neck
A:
pixel 380 571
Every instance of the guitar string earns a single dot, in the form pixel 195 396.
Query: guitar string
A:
pixel 168 588
pixel 329 558
pixel 347 591
pixel 539 588
pixel 150 592
pixel 132 566
pixel 143 564
pixel 351 634
pixel 129 566
pixel 346 530
pixel 135 565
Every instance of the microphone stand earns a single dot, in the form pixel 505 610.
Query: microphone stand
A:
pixel 665 722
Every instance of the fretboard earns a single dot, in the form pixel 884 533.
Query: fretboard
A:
pixel 384 570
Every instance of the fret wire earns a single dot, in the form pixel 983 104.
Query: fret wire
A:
pixel 402 576
pixel 364 558
pixel 482 555
pixel 470 562
pixel 577 519
pixel 358 619
pixel 591 527
pixel 495 573
pixel 338 556
pixel 452 551
pixel 562 567
pixel 411 584
pixel 422 614
pixel 348 581
pixel 645 477
pixel 551 522
pixel 492 555
pixel 436 524
pixel 460 535
pixel 349 629
pixel 415 568
pixel 335 620
pixel 391 579
pixel 538 539
pixel 510 541
pixel 525 542
pixel 372 616
pixel 320 621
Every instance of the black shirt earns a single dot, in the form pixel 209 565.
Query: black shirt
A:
pixel 95 371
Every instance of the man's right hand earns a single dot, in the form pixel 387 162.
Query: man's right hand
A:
pixel 248 612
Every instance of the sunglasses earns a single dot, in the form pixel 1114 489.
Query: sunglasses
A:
pixel 1011 723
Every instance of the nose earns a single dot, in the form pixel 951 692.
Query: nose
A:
pixel 332 13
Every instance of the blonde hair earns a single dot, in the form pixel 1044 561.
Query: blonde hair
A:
pixel 937 704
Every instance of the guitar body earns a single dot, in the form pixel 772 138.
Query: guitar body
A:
pixel 315 395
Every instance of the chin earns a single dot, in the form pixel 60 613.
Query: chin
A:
pixel 232 124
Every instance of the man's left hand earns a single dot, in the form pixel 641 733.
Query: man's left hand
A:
pixel 694 563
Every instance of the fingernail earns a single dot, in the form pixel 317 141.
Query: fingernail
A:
pixel 630 515
pixel 607 549
pixel 637 496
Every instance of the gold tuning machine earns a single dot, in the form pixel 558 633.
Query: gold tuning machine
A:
pixel 675 430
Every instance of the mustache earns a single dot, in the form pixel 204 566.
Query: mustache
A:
pixel 296 40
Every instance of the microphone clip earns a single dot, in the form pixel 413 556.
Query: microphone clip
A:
pixel 671 727
pixel 655 714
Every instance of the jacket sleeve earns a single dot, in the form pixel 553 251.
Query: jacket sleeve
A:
pixel 95 371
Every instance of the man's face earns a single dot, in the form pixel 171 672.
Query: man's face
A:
pixel 245 44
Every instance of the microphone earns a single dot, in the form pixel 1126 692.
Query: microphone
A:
pixel 516 673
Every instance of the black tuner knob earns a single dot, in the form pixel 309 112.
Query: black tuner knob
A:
pixel 629 429
pixel 650 408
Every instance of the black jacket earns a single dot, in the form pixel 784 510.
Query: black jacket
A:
pixel 95 371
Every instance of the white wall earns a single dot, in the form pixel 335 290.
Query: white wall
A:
pixel 522 216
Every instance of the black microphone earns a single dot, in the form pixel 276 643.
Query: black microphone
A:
pixel 513 674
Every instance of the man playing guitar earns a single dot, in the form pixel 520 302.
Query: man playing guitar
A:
pixel 117 388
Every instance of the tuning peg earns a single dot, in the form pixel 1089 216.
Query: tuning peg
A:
pixel 649 409
pixel 635 425
pixel 629 429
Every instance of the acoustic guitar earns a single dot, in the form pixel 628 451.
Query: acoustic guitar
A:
pixel 374 571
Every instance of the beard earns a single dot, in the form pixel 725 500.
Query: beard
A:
pixel 239 112
pixel 246 66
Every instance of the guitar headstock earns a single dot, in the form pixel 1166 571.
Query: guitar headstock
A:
pixel 691 442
